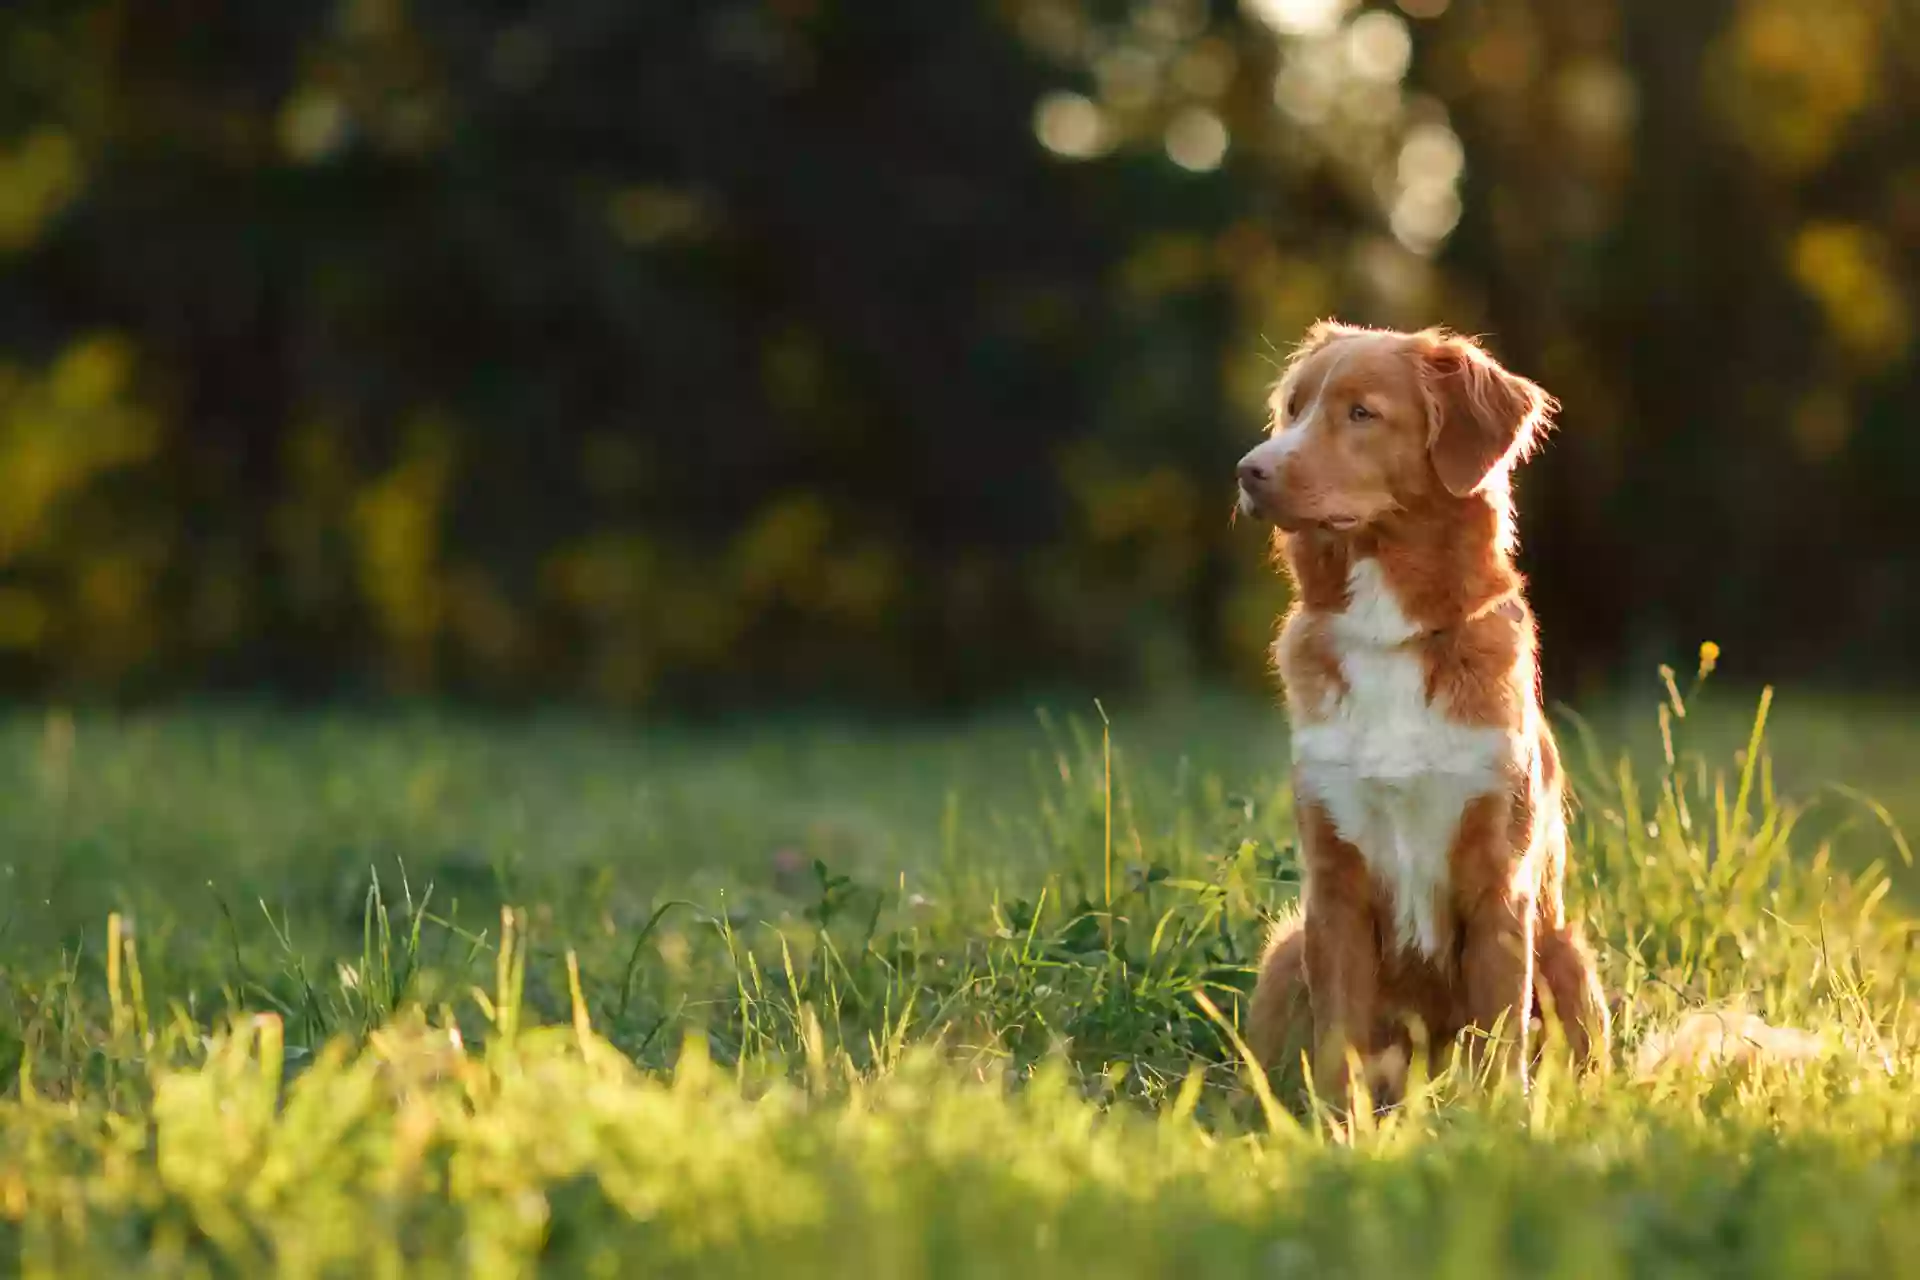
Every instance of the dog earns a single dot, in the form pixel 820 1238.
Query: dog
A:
pixel 1427 783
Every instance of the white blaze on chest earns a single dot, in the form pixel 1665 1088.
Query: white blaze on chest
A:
pixel 1393 771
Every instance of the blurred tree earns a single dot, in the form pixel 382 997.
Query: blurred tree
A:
pixel 698 351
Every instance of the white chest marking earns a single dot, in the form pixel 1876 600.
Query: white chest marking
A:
pixel 1393 771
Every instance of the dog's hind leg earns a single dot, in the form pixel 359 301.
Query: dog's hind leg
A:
pixel 1567 985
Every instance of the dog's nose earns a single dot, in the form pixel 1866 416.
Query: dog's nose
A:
pixel 1252 473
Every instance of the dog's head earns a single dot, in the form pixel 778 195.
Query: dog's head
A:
pixel 1367 422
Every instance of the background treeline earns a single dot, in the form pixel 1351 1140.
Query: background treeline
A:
pixel 683 352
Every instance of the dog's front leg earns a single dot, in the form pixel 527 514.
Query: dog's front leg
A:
pixel 1495 884
pixel 1342 951
pixel 1496 972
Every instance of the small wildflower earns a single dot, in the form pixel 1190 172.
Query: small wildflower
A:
pixel 1709 655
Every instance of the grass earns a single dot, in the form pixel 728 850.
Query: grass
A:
pixel 359 994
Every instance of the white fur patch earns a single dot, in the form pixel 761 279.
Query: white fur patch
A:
pixel 1392 770
pixel 1373 618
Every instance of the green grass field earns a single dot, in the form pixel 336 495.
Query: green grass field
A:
pixel 364 995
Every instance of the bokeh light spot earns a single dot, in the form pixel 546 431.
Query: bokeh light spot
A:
pixel 1431 156
pixel 1071 125
pixel 1206 70
pixel 1305 89
pixel 1129 78
pixel 313 125
pixel 1197 140
pixel 1379 47
pixel 1424 216
pixel 1299 17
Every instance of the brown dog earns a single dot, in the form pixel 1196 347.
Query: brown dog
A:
pixel 1426 781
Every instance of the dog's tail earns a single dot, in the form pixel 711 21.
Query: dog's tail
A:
pixel 1716 1038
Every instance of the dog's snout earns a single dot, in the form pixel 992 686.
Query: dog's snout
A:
pixel 1262 482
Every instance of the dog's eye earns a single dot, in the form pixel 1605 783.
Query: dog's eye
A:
pixel 1360 413
pixel 1293 408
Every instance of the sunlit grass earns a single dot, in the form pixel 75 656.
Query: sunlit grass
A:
pixel 362 996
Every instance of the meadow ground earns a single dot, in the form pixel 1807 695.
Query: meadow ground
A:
pixel 359 995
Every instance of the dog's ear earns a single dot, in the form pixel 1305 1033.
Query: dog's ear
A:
pixel 1480 418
